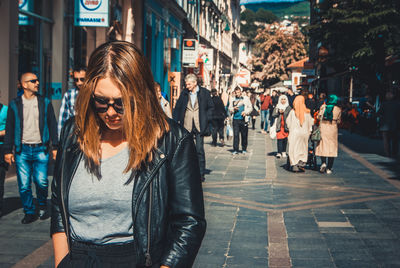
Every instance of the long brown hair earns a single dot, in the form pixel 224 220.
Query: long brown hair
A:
pixel 144 121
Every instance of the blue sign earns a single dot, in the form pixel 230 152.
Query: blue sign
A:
pixel 91 5
pixel 25 5
pixel 91 13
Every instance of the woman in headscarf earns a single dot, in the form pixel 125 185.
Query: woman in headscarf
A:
pixel 280 113
pixel 329 116
pixel 299 123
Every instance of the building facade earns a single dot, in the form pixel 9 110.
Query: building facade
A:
pixel 50 37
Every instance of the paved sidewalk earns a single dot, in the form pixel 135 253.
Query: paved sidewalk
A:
pixel 260 215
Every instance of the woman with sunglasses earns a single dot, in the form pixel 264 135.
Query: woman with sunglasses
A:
pixel 126 189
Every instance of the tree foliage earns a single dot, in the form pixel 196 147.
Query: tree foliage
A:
pixel 249 18
pixel 275 49
pixel 358 32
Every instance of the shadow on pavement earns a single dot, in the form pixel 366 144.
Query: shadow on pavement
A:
pixel 11 204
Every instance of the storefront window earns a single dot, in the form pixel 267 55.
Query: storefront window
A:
pixel 35 43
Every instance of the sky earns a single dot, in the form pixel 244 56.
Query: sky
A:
pixel 267 1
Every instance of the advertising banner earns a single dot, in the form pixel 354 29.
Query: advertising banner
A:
pixel 190 52
pixel 26 5
pixel 91 13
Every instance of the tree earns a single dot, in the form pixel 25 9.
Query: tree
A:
pixel 249 18
pixel 275 49
pixel 358 33
pixel 265 16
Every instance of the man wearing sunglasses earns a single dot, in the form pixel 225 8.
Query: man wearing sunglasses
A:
pixel 67 108
pixel 31 133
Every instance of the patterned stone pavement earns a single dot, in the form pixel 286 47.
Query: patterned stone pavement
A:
pixel 261 215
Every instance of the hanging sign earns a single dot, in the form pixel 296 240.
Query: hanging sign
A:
pixel 25 5
pixel 91 13
pixel 190 52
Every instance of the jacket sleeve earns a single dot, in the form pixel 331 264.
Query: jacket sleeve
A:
pixel 247 105
pixel 10 131
pixel 210 106
pixel 57 225
pixel 52 123
pixel 187 222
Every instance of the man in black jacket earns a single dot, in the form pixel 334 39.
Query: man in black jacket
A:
pixel 194 110
pixel 218 118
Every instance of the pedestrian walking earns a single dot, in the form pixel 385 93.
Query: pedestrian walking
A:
pixel 329 117
pixel 240 107
pixel 194 110
pixel 291 96
pixel 255 110
pixel 389 124
pixel 266 102
pixel 3 164
pixel 280 114
pixel 218 119
pixel 321 101
pixel 67 109
pixel 126 188
pixel 163 102
pixel 31 133
pixel 274 101
pixel 299 123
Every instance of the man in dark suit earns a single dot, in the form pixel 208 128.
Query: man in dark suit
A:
pixel 194 110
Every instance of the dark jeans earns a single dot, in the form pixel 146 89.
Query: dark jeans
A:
pixel 105 256
pixel 217 128
pixel 264 120
pixel 330 161
pixel 390 143
pixel 282 143
pixel 239 125
pixel 199 141
pixel 253 123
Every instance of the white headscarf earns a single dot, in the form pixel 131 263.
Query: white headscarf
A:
pixel 281 106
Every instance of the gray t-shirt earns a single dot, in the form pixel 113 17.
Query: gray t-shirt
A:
pixel 101 210
pixel 30 132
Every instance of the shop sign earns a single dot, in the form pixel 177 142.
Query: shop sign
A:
pixel 25 5
pixel 91 13
pixel 243 78
pixel 208 58
pixel 189 53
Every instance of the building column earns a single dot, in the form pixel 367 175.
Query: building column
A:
pixel 8 50
pixel 59 67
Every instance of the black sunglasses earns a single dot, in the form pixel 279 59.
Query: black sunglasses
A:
pixel 33 81
pixel 82 79
pixel 101 104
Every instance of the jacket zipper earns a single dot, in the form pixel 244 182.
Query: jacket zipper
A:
pixel 149 183
pixel 147 255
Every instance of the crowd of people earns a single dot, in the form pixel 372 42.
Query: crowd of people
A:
pixel 118 143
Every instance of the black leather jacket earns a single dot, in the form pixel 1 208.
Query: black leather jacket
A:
pixel 168 207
